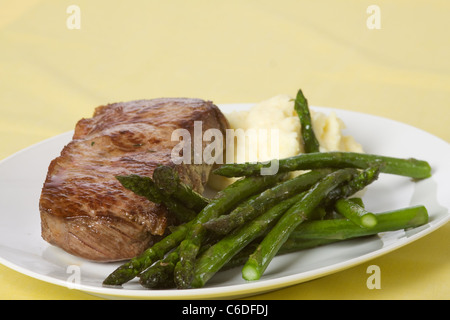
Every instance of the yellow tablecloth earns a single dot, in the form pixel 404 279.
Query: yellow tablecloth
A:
pixel 391 60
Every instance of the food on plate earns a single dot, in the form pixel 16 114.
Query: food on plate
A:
pixel 299 212
pixel 85 210
pixel 190 235
pixel 315 233
pixel 254 207
pixel 356 213
pixel 310 142
pixel 414 168
pixel 243 233
pixel 259 216
pixel 279 113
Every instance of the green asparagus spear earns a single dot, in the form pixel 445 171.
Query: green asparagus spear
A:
pixel 216 224
pixel 291 245
pixel 299 212
pixel 160 274
pixel 310 142
pixel 356 213
pixel 144 186
pixel 256 206
pixel 168 181
pixel 219 254
pixel 311 234
pixel 215 257
pixel 357 200
pixel 358 183
pixel 340 229
pixel 132 268
pixel 182 213
pixel 224 201
pixel 417 169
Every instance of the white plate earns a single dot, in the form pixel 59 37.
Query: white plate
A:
pixel 22 248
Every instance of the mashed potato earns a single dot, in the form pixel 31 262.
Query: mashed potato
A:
pixel 278 114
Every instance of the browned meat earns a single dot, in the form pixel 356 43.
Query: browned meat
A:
pixel 85 210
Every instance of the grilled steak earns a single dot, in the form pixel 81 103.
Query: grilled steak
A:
pixel 85 210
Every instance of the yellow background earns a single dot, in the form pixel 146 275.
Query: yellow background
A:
pixel 233 51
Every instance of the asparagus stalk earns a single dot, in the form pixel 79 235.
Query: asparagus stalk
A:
pixel 315 233
pixel 291 245
pixel 160 274
pixel 132 268
pixel 223 251
pixel 311 234
pixel 142 186
pixel 257 205
pixel 168 181
pixel 135 266
pixel 299 212
pixel 224 201
pixel 310 142
pixel 219 254
pixel 362 180
pixel 341 229
pixel 145 186
pixel 417 169
pixel 356 213
pixel 357 200
pixel 235 249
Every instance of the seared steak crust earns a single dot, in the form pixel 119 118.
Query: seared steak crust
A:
pixel 85 210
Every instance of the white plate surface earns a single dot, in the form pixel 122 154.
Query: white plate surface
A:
pixel 22 248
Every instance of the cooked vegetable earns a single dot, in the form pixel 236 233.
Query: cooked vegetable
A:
pixel 142 186
pixel 145 186
pixel 225 201
pixel 169 183
pixel 261 216
pixel 356 213
pixel 311 234
pixel 160 274
pixel 222 252
pixel 135 266
pixel 359 182
pixel 310 142
pixel 340 229
pixel 255 206
pixel 299 212
pixel 219 254
pixel 417 169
